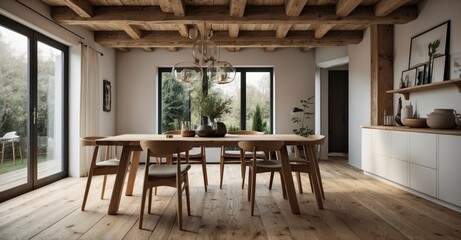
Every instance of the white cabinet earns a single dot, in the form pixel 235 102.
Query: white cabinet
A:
pixel 429 163
pixel 398 159
pixel 423 163
pixel 367 150
pixel 449 155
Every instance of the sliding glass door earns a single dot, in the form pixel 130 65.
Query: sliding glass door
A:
pixel 33 83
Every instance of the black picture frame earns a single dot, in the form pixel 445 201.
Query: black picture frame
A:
pixel 409 77
pixel 106 96
pixel 438 74
pixel 419 50
pixel 420 73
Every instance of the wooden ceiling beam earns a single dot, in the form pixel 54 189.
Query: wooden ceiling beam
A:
pixel 282 30
pixel 234 30
pixel 386 7
pixel 235 49
pixel 305 49
pixel 133 31
pixel 322 30
pixel 183 30
pixel 344 7
pixel 237 8
pixel 269 49
pixel 294 7
pixel 179 9
pixel 245 39
pixel 165 6
pixel 81 7
pixel 219 15
pixel 121 49
pixel 148 49
pixel 172 49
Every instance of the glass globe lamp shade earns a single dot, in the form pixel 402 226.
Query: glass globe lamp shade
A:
pixel 204 50
pixel 187 72
pixel 221 72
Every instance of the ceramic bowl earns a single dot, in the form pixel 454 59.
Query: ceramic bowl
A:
pixel 415 122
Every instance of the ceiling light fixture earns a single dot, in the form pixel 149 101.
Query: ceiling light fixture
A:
pixel 204 52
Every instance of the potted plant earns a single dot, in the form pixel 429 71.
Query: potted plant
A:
pixel 301 119
pixel 211 105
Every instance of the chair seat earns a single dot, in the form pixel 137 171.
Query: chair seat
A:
pixel 236 154
pixel 270 164
pixel 166 171
pixel 108 163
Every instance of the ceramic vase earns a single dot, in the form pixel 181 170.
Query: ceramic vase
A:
pixel 441 119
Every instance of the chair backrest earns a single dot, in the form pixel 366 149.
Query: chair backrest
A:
pixel 317 139
pixel 261 145
pixel 10 135
pixel 163 148
pixel 245 132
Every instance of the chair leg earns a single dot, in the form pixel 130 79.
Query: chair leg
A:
pixel 300 184
pixel 284 191
pixel 14 154
pixel 271 180
pixel 149 204
pixel 186 186
pixel 311 181
pixel 221 172
pixel 143 205
pixel 87 189
pixel 320 181
pixel 205 175
pixel 243 170
pixel 179 211
pixel 103 186
pixel 253 192
pixel 249 183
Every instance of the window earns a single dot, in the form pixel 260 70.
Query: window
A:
pixel 33 101
pixel 251 89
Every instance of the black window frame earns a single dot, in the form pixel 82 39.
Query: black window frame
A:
pixel 243 71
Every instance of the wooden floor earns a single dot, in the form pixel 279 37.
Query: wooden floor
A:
pixel 356 207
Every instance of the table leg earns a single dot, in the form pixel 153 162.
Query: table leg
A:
pixel 133 171
pixel 309 150
pixel 288 179
pixel 119 180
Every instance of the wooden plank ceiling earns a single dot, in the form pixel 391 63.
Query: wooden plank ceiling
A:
pixel 235 24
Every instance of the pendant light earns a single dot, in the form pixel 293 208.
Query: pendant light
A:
pixel 221 72
pixel 187 72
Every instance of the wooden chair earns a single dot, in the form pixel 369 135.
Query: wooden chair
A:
pixel 234 156
pixel 108 166
pixel 195 155
pixel 256 166
pixel 302 164
pixel 11 137
pixel 166 175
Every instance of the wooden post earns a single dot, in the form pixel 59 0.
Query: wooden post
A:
pixel 382 72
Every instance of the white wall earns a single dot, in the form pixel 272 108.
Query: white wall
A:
pixel 137 83
pixel 432 13
pixel 25 16
pixel 359 95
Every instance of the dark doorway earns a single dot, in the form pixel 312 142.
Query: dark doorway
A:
pixel 338 111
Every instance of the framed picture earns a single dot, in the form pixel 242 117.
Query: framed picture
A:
pixel 455 66
pixel 106 96
pixel 409 77
pixel 420 73
pixel 438 71
pixel 434 41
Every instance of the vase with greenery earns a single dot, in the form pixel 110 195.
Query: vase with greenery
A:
pixel 212 104
pixel 302 117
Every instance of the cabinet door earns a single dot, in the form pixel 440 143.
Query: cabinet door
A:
pixel 399 145
pixel 381 142
pixel 423 149
pixel 398 171
pixel 367 150
pixel 423 179
pixel 450 169
pixel 381 165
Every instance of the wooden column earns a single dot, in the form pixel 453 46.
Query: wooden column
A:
pixel 382 72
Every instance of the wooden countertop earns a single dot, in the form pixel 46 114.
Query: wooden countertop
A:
pixel 455 131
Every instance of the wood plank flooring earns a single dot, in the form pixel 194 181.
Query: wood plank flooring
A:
pixel 356 207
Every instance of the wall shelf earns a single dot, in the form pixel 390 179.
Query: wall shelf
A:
pixel 444 84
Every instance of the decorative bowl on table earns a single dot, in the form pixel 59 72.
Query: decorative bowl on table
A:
pixel 205 131
pixel 188 133
pixel 415 122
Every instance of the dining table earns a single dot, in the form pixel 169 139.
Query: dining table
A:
pixel 131 150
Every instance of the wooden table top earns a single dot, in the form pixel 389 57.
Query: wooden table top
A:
pixel 229 139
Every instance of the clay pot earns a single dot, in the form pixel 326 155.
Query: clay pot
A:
pixel 205 131
pixel 441 119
